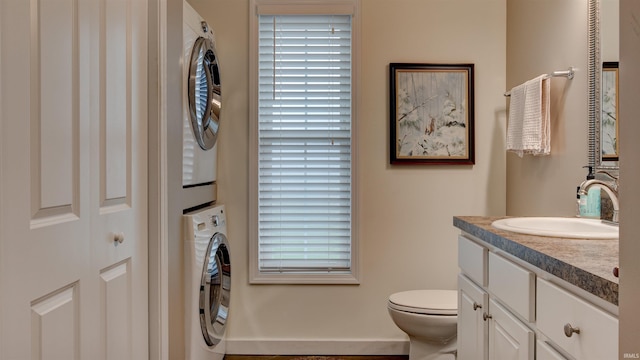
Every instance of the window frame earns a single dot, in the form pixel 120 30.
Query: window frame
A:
pixel 299 7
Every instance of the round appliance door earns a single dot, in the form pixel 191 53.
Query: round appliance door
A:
pixel 214 290
pixel 204 93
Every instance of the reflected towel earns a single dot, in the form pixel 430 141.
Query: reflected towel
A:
pixel 528 129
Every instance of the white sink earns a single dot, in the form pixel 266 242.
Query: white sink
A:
pixel 564 227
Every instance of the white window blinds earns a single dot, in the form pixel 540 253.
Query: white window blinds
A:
pixel 304 143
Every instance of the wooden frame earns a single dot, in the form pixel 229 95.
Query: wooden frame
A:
pixel 609 123
pixel 431 114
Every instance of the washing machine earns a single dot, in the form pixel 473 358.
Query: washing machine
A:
pixel 207 283
pixel 201 101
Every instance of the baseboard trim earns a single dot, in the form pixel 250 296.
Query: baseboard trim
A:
pixel 317 347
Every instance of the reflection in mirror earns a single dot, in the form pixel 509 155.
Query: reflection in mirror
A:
pixel 606 120
pixel 609 112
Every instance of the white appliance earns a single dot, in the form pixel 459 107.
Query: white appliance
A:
pixel 207 283
pixel 201 101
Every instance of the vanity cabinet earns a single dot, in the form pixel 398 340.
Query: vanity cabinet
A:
pixel 487 328
pixel 509 309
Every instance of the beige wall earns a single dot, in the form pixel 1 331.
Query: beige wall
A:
pixel 544 36
pixel 629 174
pixel 405 222
pixel 609 31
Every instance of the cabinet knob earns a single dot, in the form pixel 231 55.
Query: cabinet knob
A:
pixel 570 330
pixel 486 316
pixel 476 306
pixel 118 238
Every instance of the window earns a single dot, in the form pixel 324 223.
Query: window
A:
pixel 302 149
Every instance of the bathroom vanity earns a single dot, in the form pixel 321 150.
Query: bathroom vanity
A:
pixel 534 297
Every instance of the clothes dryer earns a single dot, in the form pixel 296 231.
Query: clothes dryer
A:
pixel 201 100
pixel 207 283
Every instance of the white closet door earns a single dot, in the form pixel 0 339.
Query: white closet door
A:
pixel 73 169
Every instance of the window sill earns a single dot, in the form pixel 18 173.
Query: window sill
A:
pixel 302 279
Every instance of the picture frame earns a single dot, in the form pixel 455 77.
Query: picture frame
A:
pixel 431 114
pixel 609 122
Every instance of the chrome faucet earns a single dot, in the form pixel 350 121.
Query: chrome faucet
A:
pixel 610 187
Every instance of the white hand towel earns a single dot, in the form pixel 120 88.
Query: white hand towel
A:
pixel 546 117
pixel 528 129
pixel 516 120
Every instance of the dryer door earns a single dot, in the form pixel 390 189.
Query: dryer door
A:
pixel 214 290
pixel 204 93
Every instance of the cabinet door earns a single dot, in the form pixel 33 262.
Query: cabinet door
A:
pixel 546 352
pixel 472 329
pixel 509 338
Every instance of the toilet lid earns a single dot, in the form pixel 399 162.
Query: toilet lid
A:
pixel 434 302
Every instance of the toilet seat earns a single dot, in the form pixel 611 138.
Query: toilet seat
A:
pixel 428 302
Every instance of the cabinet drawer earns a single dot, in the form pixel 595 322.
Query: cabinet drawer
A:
pixel 472 260
pixel 598 336
pixel 514 285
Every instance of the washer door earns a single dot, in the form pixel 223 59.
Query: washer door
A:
pixel 214 290
pixel 204 93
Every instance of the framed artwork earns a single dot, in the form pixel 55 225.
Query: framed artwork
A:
pixel 432 114
pixel 609 116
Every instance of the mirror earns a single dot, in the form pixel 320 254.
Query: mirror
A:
pixel 603 81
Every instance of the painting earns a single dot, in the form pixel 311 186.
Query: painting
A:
pixel 609 116
pixel 432 114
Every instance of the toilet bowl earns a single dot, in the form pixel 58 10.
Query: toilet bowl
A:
pixel 429 318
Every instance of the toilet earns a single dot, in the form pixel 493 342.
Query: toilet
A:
pixel 430 318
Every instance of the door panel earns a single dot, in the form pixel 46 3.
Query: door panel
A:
pixel 44 208
pixel 116 290
pixel 119 196
pixel 54 92
pixel 119 200
pixel 54 318
pixel 73 163
pixel 53 115
pixel 116 110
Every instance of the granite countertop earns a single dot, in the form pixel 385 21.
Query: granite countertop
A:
pixel 587 264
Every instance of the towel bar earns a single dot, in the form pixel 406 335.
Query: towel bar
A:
pixel 560 73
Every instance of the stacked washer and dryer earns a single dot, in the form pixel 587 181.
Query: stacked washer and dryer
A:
pixel 207 260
